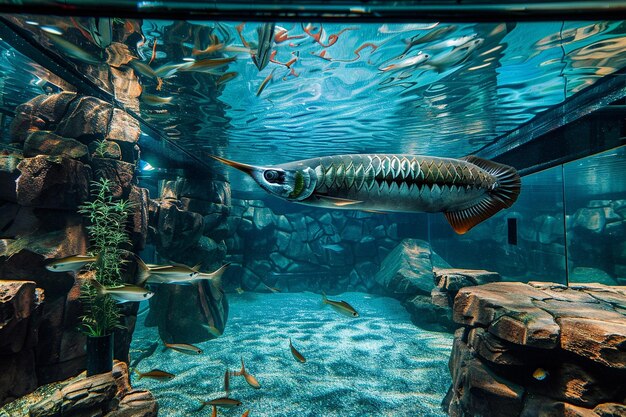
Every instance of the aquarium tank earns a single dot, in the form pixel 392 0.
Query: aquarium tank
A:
pixel 312 208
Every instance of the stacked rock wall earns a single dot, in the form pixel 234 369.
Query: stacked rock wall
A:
pixel 44 177
pixel 314 250
pixel 188 225
pixel 539 349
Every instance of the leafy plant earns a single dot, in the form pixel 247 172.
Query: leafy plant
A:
pixel 101 148
pixel 109 238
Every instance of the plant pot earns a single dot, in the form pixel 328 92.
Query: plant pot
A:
pixel 99 354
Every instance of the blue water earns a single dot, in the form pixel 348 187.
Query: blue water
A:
pixel 379 364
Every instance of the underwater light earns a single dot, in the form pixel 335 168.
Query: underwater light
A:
pixel 52 30
pixel 145 166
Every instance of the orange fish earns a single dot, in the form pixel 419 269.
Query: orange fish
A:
pixel 265 83
pixel 281 35
pixel 246 413
pixel 297 355
pixel 251 380
pixel 154 46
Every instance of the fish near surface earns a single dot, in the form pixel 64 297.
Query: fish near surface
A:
pixel 467 190
pixel 265 34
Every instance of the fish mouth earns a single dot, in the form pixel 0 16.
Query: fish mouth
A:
pixel 248 169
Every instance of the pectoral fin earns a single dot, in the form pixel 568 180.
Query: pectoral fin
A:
pixel 339 202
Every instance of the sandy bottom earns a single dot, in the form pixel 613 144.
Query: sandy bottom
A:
pixel 379 364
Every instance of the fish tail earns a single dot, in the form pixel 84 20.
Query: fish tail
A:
pixel 243 367
pixel 144 271
pixel 324 299
pixel 217 277
pixel 139 374
pixel 502 195
pixel 202 405
pixel 99 287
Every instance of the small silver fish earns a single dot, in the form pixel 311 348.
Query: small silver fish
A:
pixel 73 51
pixel 334 247
pixel 413 61
pixel 265 35
pixel 70 263
pixel 126 293
pixel 184 348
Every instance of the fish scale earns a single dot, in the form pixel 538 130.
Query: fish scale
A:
pixel 377 175
pixel 467 190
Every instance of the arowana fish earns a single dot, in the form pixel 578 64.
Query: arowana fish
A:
pixel 467 190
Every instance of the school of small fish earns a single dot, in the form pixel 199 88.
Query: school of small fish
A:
pixel 437 49
pixel 427 47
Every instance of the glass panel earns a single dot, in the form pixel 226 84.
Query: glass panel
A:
pixel 523 243
pixel 442 89
pixel 595 201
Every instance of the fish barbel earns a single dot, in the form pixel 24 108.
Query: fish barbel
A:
pixel 467 190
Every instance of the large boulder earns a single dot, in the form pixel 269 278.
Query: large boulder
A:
pixel 107 395
pixel 52 182
pixel 407 270
pixel 561 348
pixel 43 142
pixel 189 313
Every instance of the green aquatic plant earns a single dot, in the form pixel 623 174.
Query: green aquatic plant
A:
pixel 109 239
pixel 101 148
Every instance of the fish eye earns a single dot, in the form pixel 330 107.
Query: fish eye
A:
pixel 271 175
pixel 54 266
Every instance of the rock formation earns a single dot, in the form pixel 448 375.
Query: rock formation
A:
pixel 311 250
pixel 106 395
pixel 44 176
pixel 186 225
pixel 538 349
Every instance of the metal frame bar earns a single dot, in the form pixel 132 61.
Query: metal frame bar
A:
pixel 330 10
pixel 605 91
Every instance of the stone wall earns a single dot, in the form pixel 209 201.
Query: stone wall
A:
pixel 44 176
pixel 311 250
pixel 539 349
pixel 187 225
